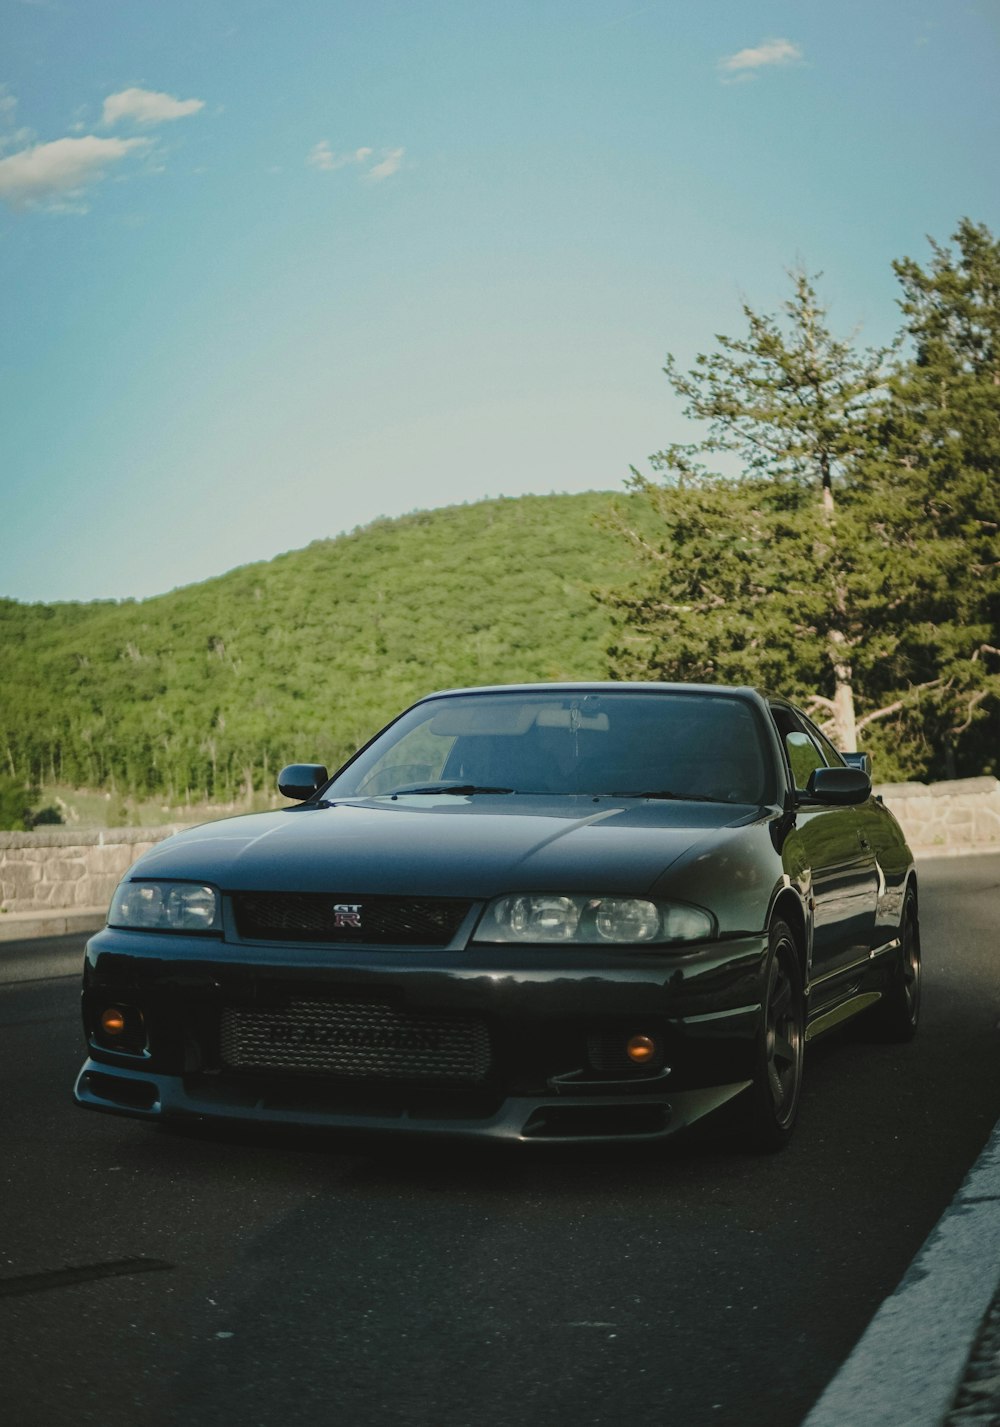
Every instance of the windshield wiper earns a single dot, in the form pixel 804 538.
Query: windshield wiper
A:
pixel 461 789
pixel 665 793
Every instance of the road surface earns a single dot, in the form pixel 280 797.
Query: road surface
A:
pixel 156 1278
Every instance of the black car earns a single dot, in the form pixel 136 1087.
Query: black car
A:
pixel 532 913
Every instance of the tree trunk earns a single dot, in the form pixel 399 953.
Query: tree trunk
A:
pixel 845 729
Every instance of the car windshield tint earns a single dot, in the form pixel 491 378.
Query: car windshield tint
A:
pixel 697 746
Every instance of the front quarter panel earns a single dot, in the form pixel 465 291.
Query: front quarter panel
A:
pixel 736 874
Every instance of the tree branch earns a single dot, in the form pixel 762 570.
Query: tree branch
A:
pixel 897 704
pixel 975 700
pixel 642 544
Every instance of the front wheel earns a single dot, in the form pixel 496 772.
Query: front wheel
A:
pixel 771 1104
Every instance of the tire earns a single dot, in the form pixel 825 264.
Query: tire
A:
pixel 770 1106
pixel 897 1014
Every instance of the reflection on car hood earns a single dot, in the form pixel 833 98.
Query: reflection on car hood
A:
pixel 443 846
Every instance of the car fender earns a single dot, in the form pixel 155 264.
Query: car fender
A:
pixel 737 875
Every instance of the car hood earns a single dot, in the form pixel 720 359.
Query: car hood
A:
pixel 447 846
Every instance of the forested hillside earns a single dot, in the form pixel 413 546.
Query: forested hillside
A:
pixel 211 688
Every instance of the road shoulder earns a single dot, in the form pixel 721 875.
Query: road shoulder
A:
pixel 910 1364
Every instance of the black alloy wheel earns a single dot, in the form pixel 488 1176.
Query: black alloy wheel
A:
pixel 772 1101
pixel 896 1016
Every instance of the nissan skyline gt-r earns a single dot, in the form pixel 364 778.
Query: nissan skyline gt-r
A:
pixel 528 913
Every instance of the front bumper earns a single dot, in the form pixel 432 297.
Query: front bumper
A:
pixel 551 1015
pixel 519 1118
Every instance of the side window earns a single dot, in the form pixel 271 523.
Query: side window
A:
pixel 804 752
pixel 803 757
pixel 833 758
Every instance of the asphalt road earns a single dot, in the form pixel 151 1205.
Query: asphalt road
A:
pixel 152 1277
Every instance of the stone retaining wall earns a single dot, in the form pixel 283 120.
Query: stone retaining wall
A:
pixel 947 818
pixel 59 868
pixel 60 871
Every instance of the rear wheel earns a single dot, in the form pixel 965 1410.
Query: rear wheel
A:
pixel 771 1104
pixel 897 1014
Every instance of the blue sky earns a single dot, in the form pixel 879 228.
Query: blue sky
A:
pixel 274 269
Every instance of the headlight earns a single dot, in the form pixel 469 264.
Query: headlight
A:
pixel 165 906
pixel 543 917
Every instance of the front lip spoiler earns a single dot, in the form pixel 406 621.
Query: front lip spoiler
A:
pixel 577 1080
pixel 520 1119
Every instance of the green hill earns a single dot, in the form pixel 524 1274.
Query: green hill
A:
pixel 211 688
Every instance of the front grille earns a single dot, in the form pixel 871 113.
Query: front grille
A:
pixel 356 1038
pixel 336 918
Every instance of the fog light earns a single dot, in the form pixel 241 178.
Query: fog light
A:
pixel 113 1021
pixel 640 1049
pixel 121 1029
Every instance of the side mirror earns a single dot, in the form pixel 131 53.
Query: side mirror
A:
pixel 301 780
pixel 838 786
pixel 859 760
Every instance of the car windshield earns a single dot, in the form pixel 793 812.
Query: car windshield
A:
pixel 643 745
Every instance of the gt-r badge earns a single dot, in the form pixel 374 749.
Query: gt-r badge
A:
pixel 347 914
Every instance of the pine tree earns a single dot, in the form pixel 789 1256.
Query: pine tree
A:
pixel 852 561
pixel 759 573
pixel 944 439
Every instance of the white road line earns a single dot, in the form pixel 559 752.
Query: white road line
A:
pixel 907 1367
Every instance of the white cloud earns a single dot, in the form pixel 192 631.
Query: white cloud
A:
pixel 146 106
pixel 745 63
pixel 389 165
pixel 47 175
pixel 321 156
pixel 16 138
pixel 9 136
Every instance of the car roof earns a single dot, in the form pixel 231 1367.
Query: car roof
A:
pixel 603 686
